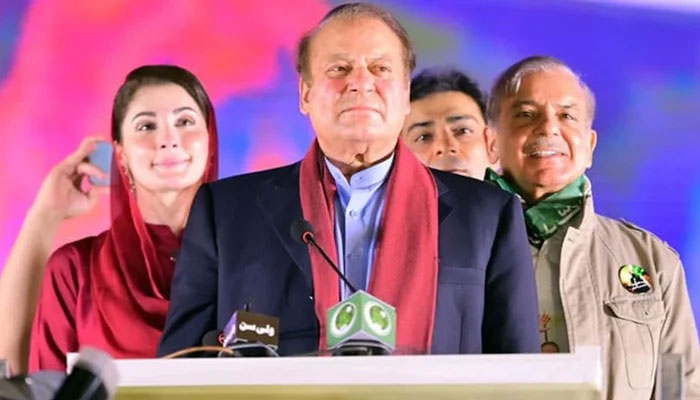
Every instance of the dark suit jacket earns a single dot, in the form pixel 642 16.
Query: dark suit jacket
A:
pixel 237 249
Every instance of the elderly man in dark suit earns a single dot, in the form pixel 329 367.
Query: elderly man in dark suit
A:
pixel 450 253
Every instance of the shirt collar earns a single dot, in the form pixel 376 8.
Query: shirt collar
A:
pixel 369 177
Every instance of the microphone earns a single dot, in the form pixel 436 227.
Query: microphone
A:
pixel 245 326
pixel 38 386
pixel 359 325
pixel 302 231
pixel 213 338
pixel 251 335
pixel 93 377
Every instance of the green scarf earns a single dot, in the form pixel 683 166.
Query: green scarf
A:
pixel 544 218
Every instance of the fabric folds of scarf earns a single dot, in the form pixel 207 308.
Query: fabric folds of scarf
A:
pixel 404 273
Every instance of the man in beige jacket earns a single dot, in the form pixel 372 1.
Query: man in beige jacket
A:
pixel 601 282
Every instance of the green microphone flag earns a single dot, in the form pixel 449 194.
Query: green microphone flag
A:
pixel 361 317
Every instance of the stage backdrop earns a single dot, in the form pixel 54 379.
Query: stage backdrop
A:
pixel 62 61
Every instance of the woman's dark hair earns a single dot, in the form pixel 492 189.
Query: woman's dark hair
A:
pixel 157 75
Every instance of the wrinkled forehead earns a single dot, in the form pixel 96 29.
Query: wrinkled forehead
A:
pixel 553 84
pixel 350 35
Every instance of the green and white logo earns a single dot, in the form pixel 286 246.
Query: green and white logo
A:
pixel 361 317
pixel 343 319
pixel 377 318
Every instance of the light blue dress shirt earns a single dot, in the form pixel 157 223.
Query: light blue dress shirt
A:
pixel 358 213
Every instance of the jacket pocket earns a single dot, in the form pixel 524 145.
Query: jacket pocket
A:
pixel 639 324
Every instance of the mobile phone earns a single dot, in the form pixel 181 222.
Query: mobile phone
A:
pixel 101 157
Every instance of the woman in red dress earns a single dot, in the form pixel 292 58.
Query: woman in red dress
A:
pixel 112 291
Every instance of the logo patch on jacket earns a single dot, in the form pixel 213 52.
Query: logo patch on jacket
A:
pixel 634 278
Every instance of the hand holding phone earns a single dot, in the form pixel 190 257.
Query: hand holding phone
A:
pixel 101 157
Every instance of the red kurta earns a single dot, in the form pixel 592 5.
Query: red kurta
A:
pixel 71 316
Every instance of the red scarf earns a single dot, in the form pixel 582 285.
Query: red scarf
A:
pixel 404 273
pixel 130 279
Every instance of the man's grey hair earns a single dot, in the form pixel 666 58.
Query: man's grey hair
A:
pixel 353 11
pixel 508 84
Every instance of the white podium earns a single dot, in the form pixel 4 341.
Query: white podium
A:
pixel 484 377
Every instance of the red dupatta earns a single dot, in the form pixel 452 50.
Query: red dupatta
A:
pixel 130 281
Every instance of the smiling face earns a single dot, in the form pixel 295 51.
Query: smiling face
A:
pixel 544 134
pixel 358 93
pixel 447 131
pixel 164 141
